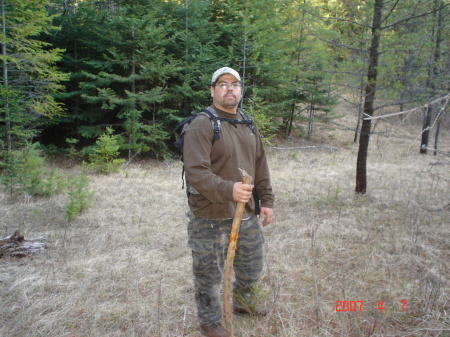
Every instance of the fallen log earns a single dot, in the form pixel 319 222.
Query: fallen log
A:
pixel 15 245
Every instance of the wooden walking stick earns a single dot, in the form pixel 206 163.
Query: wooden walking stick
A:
pixel 246 179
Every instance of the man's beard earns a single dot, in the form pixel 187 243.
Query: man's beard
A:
pixel 230 103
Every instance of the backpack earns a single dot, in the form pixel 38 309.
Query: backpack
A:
pixel 181 129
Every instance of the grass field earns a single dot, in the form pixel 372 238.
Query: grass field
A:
pixel 122 268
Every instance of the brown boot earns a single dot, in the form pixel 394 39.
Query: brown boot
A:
pixel 213 330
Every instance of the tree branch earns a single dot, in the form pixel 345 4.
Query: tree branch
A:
pixel 446 98
pixel 339 19
pixel 414 17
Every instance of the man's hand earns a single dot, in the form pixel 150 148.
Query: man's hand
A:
pixel 265 215
pixel 242 192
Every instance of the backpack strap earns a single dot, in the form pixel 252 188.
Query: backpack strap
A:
pixel 215 120
pixel 248 121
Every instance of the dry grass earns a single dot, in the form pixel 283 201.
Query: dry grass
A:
pixel 123 269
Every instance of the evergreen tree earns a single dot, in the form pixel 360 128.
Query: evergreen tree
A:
pixel 141 66
pixel 342 27
pixel 29 75
pixel 254 34
pixel 75 37
pixel 129 79
pixel 311 64
pixel 198 50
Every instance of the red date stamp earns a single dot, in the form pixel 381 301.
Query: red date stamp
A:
pixel 359 305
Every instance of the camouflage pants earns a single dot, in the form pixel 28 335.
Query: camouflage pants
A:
pixel 208 240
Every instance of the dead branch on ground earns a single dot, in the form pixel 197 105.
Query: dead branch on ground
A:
pixel 15 245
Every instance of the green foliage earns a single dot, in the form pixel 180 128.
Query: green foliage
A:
pixel 17 125
pixel 144 65
pixel 260 112
pixel 103 156
pixel 79 197
pixel 252 297
pixel 29 74
pixel 128 80
pixel 73 154
pixel 332 199
pixel 258 46
pixel 23 171
pixel 54 183
pixel 139 136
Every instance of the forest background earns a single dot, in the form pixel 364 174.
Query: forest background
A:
pixel 130 71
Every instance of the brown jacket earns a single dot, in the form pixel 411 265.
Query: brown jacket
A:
pixel 213 168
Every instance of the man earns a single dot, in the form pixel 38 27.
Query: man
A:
pixel 214 182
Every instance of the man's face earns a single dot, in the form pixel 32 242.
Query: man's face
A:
pixel 225 95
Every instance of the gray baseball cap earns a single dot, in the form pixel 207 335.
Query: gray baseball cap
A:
pixel 225 70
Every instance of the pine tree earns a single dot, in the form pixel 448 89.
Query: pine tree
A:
pixel 29 75
pixel 128 80
pixel 254 34
pixel 199 51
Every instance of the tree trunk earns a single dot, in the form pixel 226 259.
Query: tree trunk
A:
pixel 361 171
pixel 436 136
pixel 244 62
pixel 299 62
pixel 311 120
pixel 291 120
pixel 5 82
pixel 433 73
pixel 360 114
pixel 426 129
pixel 187 30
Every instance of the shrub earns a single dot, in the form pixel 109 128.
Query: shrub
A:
pixel 103 156
pixel 79 197
pixel 24 171
pixel 72 153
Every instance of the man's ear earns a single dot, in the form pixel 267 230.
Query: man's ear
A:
pixel 212 91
